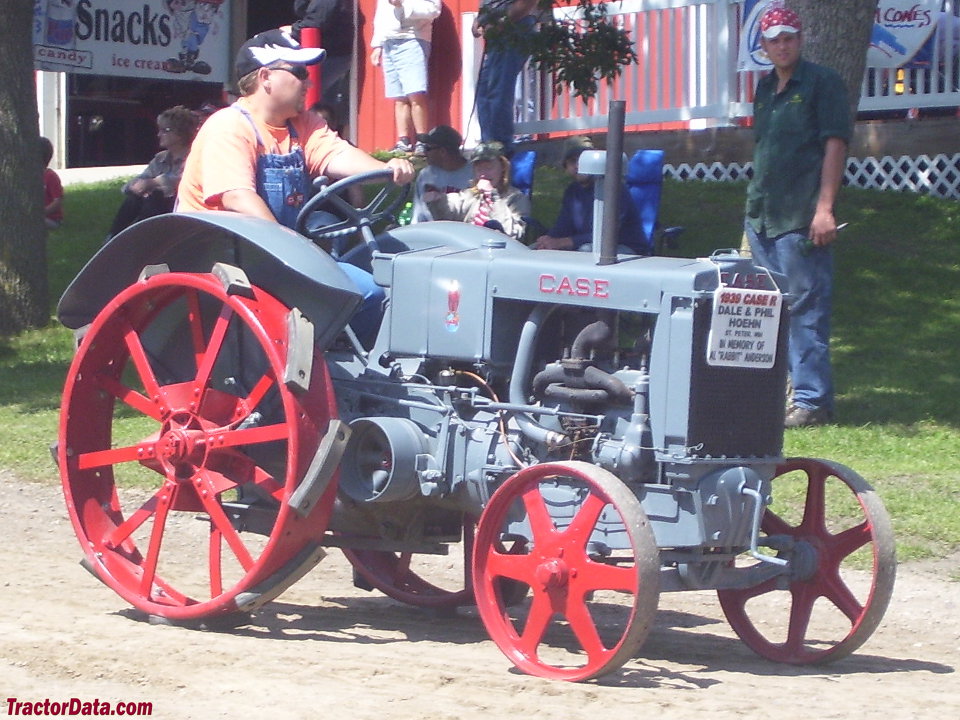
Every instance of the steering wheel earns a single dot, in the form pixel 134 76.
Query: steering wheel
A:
pixel 381 207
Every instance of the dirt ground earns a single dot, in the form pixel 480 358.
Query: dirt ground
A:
pixel 328 650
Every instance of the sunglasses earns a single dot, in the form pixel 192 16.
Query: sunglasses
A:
pixel 298 71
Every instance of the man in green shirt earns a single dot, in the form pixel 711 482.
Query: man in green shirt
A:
pixel 802 126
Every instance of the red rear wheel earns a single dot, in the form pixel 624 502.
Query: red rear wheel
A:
pixel 418 580
pixel 578 538
pixel 175 411
pixel 830 605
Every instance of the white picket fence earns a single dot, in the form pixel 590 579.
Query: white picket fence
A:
pixel 938 175
pixel 701 87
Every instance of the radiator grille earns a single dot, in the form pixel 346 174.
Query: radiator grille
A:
pixel 736 412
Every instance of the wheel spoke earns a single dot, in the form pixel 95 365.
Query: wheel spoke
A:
pixel 375 203
pixel 230 438
pixel 512 567
pixel 212 351
pixel 138 355
pixel 268 483
pixel 600 576
pixel 578 532
pixel 402 567
pixel 839 593
pixel 541 524
pixel 259 391
pixel 130 397
pixel 165 498
pixel 346 208
pixel 538 619
pixel 745 594
pixel 585 629
pixel 217 482
pixel 815 508
pixel 208 496
pixel 195 319
pixel 114 456
pixel 849 541
pixel 215 561
pixel 773 524
pixel 804 596
pixel 242 470
pixel 119 534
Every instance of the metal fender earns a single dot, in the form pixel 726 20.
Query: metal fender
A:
pixel 275 258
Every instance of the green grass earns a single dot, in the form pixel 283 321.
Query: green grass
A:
pixel 896 347
pixel 34 364
pixel 896 343
pixel 88 212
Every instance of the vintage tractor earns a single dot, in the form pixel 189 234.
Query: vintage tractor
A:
pixel 586 431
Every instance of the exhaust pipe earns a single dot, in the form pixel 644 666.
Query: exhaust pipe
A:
pixel 611 187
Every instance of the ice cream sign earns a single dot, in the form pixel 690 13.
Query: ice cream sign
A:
pixel 169 39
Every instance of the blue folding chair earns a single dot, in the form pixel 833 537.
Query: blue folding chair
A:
pixel 522 166
pixel 645 184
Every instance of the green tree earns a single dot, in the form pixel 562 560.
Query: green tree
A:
pixel 24 299
pixel 579 53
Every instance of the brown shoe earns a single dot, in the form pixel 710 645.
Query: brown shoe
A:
pixel 798 416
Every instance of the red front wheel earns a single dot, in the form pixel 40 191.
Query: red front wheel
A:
pixel 579 540
pixel 181 440
pixel 843 565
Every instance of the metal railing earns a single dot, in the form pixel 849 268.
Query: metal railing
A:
pixel 687 73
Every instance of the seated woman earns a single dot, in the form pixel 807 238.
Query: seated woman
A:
pixel 573 229
pixel 490 200
pixel 154 190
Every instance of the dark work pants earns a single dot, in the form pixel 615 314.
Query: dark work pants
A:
pixel 137 207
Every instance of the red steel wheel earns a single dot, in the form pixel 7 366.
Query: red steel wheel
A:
pixel 175 410
pixel 830 608
pixel 403 575
pixel 579 539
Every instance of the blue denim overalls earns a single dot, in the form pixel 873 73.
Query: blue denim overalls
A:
pixel 282 179
pixel 284 184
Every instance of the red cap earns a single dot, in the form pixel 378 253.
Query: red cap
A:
pixel 778 20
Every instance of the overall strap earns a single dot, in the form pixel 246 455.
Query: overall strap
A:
pixel 294 138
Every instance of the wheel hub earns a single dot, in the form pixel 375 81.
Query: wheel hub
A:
pixel 179 445
pixel 552 573
pixel 804 560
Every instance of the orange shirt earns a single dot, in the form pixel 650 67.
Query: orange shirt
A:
pixel 224 155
